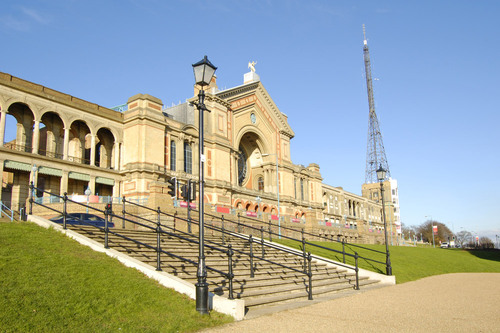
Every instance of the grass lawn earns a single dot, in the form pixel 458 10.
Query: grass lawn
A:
pixel 50 283
pixel 413 263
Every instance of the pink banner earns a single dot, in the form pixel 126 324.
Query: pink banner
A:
pixel 224 210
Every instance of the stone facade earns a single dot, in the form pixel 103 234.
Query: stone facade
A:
pixel 64 144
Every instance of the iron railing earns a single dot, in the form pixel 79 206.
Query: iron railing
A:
pixel 217 225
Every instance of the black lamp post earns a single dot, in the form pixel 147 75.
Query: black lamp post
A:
pixel 381 177
pixel 204 70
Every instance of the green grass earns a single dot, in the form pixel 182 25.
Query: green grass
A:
pixel 50 283
pixel 412 263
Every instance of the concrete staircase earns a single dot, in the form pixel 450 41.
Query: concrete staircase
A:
pixel 272 284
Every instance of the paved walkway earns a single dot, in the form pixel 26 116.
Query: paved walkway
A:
pixel 463 302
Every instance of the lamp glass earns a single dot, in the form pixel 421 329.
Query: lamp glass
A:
pixel 381 173
pixel 203 70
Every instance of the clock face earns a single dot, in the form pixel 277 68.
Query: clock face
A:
pixel 253 119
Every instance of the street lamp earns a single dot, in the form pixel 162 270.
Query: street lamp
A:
pixel 203 70
pixel 432 231
pixel 381 177
pixel 278 190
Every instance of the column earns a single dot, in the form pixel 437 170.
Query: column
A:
pixel 36 137
pixel 196 159
pixel 116 156
pixel 64 183
pixel 66 144
pixel 92 150
pixel 116 189
pixel 180 155
pixel 92 184
pixel 235 168
pixel 3 115
pixel 266 180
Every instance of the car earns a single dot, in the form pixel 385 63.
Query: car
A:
pixel 445 245
pixel 82 219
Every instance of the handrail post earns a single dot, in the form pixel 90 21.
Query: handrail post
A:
pixel 357 270
pixel 270 232
pixel 158 241
pixel 65 211
pixel 123 212
pixel 106 218
pixel 309 274
pixel 343 251
pixel 230 269
pixel 250 240
pixel 32 187
pixel 222 227
pixel 189 217
pixel 239 226
pixel 304 250
pixel 262 241
pixel 175 219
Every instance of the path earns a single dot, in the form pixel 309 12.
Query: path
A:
pixel 462 302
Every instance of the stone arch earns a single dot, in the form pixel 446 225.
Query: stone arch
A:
pixel 79 142
pixel 104 145
pixel 251 146
pixel 51 142
pixel 24 117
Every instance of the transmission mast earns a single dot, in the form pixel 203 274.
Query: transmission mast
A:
pixel 375 153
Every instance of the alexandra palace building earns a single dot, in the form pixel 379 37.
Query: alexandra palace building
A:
pixel 68 145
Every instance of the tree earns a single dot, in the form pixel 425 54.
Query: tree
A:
pixel 464 237
pixel 486 243
pixel 444 233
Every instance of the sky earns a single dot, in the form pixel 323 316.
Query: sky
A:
pixel 434 65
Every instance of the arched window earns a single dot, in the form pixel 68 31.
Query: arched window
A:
pixel 188 158
pixel 242 166
pixel 172 155
pixel 301 189
pixel 260 184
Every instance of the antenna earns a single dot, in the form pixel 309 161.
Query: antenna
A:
pixel 375 152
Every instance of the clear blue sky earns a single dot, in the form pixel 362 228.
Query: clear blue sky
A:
pixel 436 94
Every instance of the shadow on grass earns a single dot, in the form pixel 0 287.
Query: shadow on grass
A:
pixel 488 254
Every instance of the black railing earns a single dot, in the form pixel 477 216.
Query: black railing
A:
pixel 217 226
pixel 351 246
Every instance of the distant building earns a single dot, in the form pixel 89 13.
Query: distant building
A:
pixel 66 145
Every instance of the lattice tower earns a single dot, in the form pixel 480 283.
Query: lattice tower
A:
pixel 375 152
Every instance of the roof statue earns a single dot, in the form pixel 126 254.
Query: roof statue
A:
pixel 251 65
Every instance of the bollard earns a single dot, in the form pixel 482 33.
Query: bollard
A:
pixel 65 212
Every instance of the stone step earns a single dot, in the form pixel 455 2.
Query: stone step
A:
pixel 271 284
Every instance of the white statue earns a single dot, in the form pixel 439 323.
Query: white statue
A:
pixel 251 65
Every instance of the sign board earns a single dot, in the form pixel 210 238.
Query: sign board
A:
pixel 435 229
pixel 184 204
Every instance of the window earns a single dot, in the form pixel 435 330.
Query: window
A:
pixel 301 189
pixel 242 166
pixel 188 158
pixel 172 155
pixel 260 184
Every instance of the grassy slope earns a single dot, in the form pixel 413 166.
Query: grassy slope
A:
pixel 51 283
pixel 412 263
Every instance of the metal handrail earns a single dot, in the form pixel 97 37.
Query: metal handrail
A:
pixel 162 229
pixel 3 208
pixel 270 233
